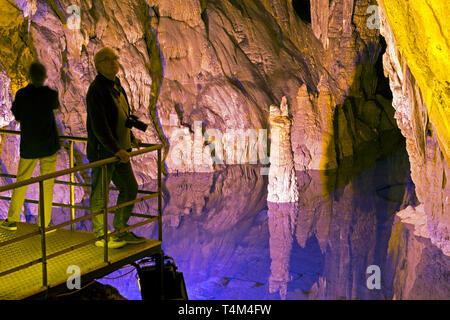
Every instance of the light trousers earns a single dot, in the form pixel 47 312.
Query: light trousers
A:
pixel 24 172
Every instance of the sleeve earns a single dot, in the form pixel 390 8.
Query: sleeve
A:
pixel 100 126
pixel 55 100
pixel 16 105
pixel 132 137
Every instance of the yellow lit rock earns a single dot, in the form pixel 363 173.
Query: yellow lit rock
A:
pixel 15 52
pixel 422 35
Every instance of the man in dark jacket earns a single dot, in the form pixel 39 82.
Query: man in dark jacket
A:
pixel 107 111
pixel 39 140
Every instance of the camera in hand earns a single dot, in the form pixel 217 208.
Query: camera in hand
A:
pixel 133 121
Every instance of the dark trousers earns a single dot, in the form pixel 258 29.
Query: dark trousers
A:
pixel 123 178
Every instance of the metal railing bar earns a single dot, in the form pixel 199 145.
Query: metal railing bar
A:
pixel 136 225
pixel 105 192
pixel 76 184
pixel 7 175
pixel 42 223
pixel 68 138
pixel 75 169
pixel 54 204
pixel 71 186
pixel 76 220
pixel 43 230
pixel 50 256
pixel 25 236
pixel 126 204
pixel 74 247
pixel 71 248
pixel 34 233
pixel 33 262
pixel 141 215
pixel 88 216
pixel 65 205
pixel 159 196
pixel 23 266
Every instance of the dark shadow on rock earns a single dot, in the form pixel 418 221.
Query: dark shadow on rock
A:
pixel 364 128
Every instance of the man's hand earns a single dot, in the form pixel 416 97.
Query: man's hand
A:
pixel 136 142
pixel 123 155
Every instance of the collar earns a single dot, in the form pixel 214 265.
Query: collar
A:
pixel 105 80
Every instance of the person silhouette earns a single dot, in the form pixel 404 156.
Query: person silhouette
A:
pixel 33 108
pixel 108 136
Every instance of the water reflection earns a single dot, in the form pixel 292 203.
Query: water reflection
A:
pixel 231 244
pixel 282 220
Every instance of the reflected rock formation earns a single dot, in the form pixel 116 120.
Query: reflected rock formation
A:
pixel 232 244
pixel 282 198
pixel 282 218
pixel 221 64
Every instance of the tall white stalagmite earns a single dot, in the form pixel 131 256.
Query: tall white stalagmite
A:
pixel 283 185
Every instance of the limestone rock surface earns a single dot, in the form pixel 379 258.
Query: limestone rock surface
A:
pixel 429 165
pixel 282 179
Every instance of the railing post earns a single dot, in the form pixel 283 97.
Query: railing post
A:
pixel 72 195
pixel 105 193
pixel 42 222
pixel 159 197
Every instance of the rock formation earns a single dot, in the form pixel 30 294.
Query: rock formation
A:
pixel 224 76
pixel 282 198
pixel 414 106
pixel 221 63
pixel 282 179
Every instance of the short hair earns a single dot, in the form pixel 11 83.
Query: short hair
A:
pixel 101 54
pixel 37 72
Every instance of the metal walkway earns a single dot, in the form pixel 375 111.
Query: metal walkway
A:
pixel 34 262
pixel 27 283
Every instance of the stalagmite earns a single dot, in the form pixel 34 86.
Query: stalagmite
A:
pixel 282 198
pixel 282 181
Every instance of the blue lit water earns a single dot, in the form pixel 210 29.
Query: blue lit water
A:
pixel 231 244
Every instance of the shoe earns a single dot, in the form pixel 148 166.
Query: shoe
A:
pixel 131 238
pixel 7 225
pixel 113 243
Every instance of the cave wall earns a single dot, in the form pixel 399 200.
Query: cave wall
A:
pixel 193 65
pixel 425 141
pixel 190 66
pixel 236 60
pixel 422 31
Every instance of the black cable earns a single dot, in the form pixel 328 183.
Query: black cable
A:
pixel 72 292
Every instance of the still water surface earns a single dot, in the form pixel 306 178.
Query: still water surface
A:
pixel 230 243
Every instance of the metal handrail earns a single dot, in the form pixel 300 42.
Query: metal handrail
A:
pixel 103 163
pixel 68 138
pixel 64 172
pixel 71 182
pixel 71 165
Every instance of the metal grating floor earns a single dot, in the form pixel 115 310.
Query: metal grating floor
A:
pixel 27 282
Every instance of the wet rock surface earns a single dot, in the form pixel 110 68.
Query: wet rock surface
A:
pixel 222 64
pixel 429 166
